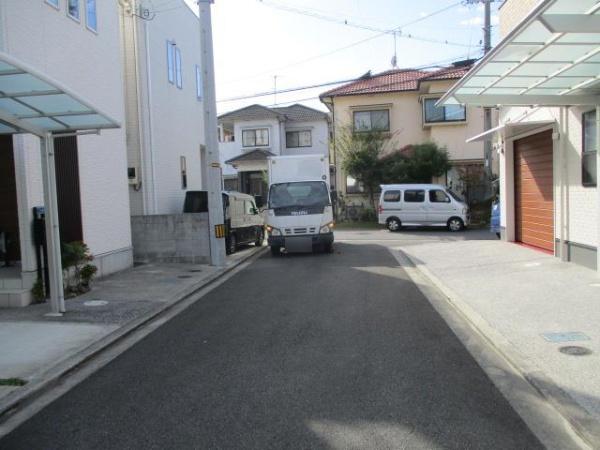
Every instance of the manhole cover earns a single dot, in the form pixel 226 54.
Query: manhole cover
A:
pixel 195 270
pixel 96 303
pixel 184 276
pixel 575 350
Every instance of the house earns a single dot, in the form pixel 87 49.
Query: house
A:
pixel 163 105
pixel 248 136
pixel 544 75
pixel 402 102
pixel 49 50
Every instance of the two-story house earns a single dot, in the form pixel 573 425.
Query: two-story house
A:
pixel 163 104
pixel 248 136
pixel 57 46
pixel 544 76
pixel 402 102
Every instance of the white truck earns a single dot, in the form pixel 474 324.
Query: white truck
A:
pixel 299 214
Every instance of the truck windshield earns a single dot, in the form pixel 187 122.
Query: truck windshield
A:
pixel 299 194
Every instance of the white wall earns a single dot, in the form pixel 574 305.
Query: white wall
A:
pixel 171 118
pixel 88 63
pixel 320 138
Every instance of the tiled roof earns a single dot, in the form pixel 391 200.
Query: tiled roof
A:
pixel 397 81
pixel 301 113
pixel 293 113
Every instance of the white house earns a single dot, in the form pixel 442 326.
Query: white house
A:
pixel 76 43
pixel 163 104
pixel 545 77
pixel 248 136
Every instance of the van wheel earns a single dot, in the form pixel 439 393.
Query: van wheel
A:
pixel 275 250
pixel 455 224
pixel 260 237
pixel 232 244
pixel 393 224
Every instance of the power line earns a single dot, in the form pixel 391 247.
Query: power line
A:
pixel 346 47
pixel 329 83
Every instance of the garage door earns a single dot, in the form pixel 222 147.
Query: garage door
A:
pixel 534 203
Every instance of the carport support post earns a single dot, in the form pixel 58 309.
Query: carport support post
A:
pixel 215 199
pixel 598 186
pixel 57 297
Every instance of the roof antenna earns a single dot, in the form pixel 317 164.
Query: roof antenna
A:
pixel 395 57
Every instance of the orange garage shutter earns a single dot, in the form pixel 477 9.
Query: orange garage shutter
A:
pixel 534 202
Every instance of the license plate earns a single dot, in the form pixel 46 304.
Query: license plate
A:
pixel 300 213
pixel 299 245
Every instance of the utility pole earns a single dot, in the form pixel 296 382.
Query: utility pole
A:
pixel 216 217
pixel 487 112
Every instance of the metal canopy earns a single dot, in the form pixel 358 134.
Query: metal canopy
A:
pixel 552 58
pixel 30 102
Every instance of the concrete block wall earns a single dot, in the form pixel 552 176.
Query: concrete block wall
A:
pixel 171 238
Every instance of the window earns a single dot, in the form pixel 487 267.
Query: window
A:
pixel 91 17
pixel 353 186
pixel 249 208
pixel 198 83
pixel 53 3
pixel 171 61
pixel 391 196
pixel 438 196
pixel 183 172
pixel 178 74
pixel 295 139
pixel 415 196
pixel 255 138
pixel 73 9
pixel 589 175
pixel 372 120
pixel 448 113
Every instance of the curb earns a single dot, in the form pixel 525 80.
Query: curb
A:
pixel 44 381
pixel 582 422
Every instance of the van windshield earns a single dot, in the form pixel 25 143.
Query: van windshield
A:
pixel 299 194
pixel 455 196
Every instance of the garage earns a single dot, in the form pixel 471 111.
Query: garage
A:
pixel 534 202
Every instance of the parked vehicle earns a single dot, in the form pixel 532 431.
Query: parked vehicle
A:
pixel 495 218
pixel 243 222
pixel 421 205
pixel 299 213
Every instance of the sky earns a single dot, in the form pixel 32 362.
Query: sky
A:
pixel 299 42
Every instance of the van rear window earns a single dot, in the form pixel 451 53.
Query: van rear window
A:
pixel 416 196
pixel 391 196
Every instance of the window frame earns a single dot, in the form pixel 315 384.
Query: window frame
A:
pixel 170 61
pixel 584 152
pixel 357 188
pixel 430 122
pixel 371 129
pixel 69 15
pixel 54 3
pixel 87 15
pixel 254 130
pixel 397 192
pixel 298 133
pixel 413 190
pixel 178 69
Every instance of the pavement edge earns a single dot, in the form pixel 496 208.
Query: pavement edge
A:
pixel 582 423
pixel 46 380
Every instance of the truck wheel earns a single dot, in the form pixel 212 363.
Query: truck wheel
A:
pixel 232 244
pixel 260 237
pixel 275 250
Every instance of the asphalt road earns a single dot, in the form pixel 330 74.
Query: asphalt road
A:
pixel 302 351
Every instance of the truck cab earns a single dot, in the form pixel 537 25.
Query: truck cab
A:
pixel 299 214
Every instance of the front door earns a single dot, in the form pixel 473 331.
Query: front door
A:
pixel 9 219
pixel 67 189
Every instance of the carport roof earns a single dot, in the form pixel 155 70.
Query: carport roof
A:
pixel 551 58
pixel 31 102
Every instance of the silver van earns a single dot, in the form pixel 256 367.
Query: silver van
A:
pixel 421 205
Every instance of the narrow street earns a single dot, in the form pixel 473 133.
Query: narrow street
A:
pixel 304 351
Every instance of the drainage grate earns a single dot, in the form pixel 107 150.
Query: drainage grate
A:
pixel 565 337
pixel 575 350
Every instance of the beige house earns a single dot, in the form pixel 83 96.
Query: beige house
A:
pixel 544 77
pixel 402 102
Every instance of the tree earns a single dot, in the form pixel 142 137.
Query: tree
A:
pixel 362 158
pixel 417 163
